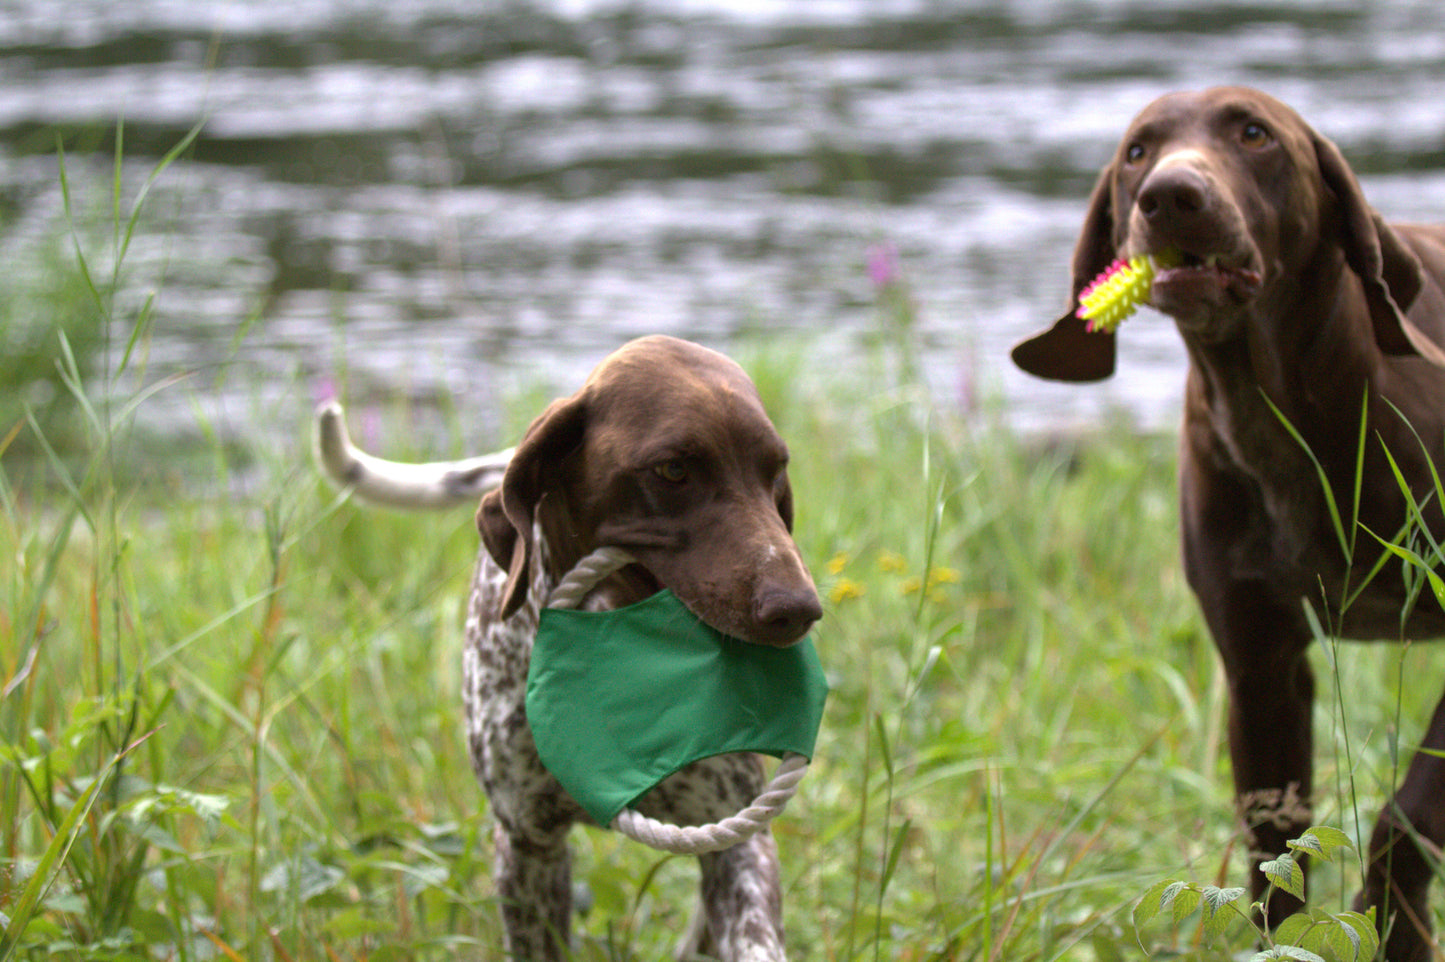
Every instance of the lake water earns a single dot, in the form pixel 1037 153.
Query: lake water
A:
pixel 428 201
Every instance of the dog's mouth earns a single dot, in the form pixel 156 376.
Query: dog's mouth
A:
pixel 634 582
pixel 641 583
pixel 1187 284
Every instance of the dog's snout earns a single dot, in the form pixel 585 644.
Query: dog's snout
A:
pixel 787 614
pixel 1173 191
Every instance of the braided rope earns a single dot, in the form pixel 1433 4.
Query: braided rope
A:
pixel 575 584
pixel 681 839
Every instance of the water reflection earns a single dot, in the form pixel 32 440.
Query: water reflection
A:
pixel 422 199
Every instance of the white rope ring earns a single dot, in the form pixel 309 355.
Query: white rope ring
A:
pixel 681 839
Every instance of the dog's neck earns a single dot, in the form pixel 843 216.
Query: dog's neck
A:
pixel 1310 370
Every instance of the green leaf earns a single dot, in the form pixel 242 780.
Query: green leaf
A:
pixel 1342 942
pixel 1437 584
pixel 1293 930
pixel 883 743
pixel 1321 841
pixel 50 863
pixel 1286 952
pixel 1151 903
pixel 419 878
pixel 1359 929
pixel 1214 901
pixel 355 924
pixel 895 851
pixel 154 927
pixel 302 878
pixel 1343 937
pixel 163 800
pixel 1286 874
pixel 1182 898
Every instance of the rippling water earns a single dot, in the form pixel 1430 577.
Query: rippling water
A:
pixel 419 199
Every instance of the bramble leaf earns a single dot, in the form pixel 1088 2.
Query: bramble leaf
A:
pixel 1286 952
pixel 1182 898
pixel 1285 873
pixel 1343 937
pixel 1358 932
pixel 1214 900
pixel 1321 841
pixel 1150 903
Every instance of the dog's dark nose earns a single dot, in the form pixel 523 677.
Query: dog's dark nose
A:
pixel 787 615
pixel 1171 192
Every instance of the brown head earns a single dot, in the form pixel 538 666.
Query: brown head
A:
pixel 1245 199
pixel 666 452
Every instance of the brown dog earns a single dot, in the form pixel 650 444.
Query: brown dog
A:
pixel 1290 291
pixel 666 452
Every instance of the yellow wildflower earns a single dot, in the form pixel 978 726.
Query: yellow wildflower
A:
pixel 891 561
pixel 845 588
pixel 943 576
pixel 838 562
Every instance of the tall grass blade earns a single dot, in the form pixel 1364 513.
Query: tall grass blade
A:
pixel 894 852
pixel 1437 584
pixel 53 858
pixel 82 262
pixel 124 244
pixel 1359 468
pixel 1439 487
pixel 1346 541
pixel 1414 516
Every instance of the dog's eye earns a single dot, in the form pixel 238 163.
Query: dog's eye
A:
pixel 1255 135
pixel 673 471
pixel 1134 153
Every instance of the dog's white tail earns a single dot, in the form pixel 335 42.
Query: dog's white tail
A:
pixel 434 484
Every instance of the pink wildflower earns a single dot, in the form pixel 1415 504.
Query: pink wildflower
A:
pixel 883 264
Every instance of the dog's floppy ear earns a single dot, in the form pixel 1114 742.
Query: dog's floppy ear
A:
pixel 1068 351
pixel 1391 273
pixel 507 516
pixel 498 535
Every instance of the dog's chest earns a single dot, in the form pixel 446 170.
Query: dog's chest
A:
pixel 495 659
pixel 1281 511
pixel 496 656
pixel 1286 534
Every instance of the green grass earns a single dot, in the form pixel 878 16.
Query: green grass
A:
pixel 1024 730
pixel 232 722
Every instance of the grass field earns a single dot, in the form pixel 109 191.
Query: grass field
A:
pixel 231 712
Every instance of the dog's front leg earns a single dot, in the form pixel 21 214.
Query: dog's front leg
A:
pixel 742 901
pixel 1271 744
pixel 740 917
pixel 534 886
pixel 1262 642
pixel 1271 740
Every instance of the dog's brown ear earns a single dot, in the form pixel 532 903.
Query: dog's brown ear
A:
pixel 498 535
pixel 1390 271
pixel 1068 351
pixel 508 515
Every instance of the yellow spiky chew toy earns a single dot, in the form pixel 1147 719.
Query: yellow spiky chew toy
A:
pixel 1115 294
